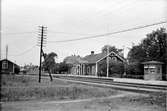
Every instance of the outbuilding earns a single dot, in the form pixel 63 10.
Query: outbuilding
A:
pixel 152 70
pixel 8 67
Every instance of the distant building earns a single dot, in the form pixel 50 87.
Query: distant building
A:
pixel 8 67
pixel 88 65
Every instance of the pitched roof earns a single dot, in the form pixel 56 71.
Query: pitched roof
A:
pixel 152 62
pixel 9 61
pixel 74 60
pixel 93 58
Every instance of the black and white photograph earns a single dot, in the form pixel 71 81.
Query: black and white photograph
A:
pixel 83 55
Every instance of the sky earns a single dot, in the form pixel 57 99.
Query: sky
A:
pixel 71 19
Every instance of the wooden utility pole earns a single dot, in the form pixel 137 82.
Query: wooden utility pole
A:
pixel 124 74
pixel 107 61
pixel 6 52
pixel 42 28
pixel 0 46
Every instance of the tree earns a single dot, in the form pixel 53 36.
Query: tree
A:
pixel 135 70
pixel 136 54
pixel 153 47
pixel 16 70
pixel 49 62
pixel 111 48
pixel 63 67
pixel 116 69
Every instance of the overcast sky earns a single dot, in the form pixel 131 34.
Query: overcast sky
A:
pixel 77 18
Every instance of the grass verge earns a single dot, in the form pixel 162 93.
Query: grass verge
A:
pixel 18 88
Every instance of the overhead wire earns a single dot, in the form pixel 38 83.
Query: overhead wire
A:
pixel 107 34
pixel 68 33
pixel 120 7
pixel 95 36
pixel 17 33
pixel 26 51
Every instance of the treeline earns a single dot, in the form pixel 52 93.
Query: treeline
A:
pixel 153 47
pixel 61 68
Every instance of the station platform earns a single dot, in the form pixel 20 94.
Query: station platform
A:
pixel 125 80
pixel 139 81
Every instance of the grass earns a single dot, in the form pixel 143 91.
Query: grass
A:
pixel 151 102
pixel 158 99
pixel 20 88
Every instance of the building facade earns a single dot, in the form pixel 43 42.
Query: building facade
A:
pixel 8 67
pixel 152 70
pixel 88 65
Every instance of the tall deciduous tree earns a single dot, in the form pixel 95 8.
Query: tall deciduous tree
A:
pixel 153 47
pixel 49 62
pixel 111 48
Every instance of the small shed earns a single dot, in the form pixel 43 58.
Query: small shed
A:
pixel 8 67
pixel 152 70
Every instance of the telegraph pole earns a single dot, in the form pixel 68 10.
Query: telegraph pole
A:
pixel 0 45
pixel 124 74
pixel 6 52
pixel 107 61
pixel 41 39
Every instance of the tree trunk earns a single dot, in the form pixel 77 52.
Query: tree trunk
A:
pixel 51 79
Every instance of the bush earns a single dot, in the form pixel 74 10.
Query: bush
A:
pixel 135 70
pixel 16 70
pixel 115 69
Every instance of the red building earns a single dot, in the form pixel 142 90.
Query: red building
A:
pixel 8 67
pixel 88 65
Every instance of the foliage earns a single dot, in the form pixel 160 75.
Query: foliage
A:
pixel 151 48
pixel 18 88
pixel 134 70
pixel 49 61
pixel 116 69
pixel 111 48
pixel 63 67
pixel 16 70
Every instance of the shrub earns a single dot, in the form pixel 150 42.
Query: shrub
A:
pixel 135 70
pixel 115 69
pixel 16 70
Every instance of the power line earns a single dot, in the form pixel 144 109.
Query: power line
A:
pixel 18 33
pixel 107 34
pixel 26 51
pixel 119 7
pixel 69 33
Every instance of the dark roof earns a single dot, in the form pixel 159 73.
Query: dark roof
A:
pixel 74 60
pixel 93 58
pixel 9 61
pixel 152 62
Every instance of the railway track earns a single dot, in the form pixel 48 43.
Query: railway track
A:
pixel 109 82
pixel 119 85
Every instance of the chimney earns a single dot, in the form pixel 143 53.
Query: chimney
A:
pixel 92 52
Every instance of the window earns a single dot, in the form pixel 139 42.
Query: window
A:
pixel 152 70
pixel 112 54
pixel 88 70
pixel 146 70
pixel 4 64
pixel 158 69
pixel 114 58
